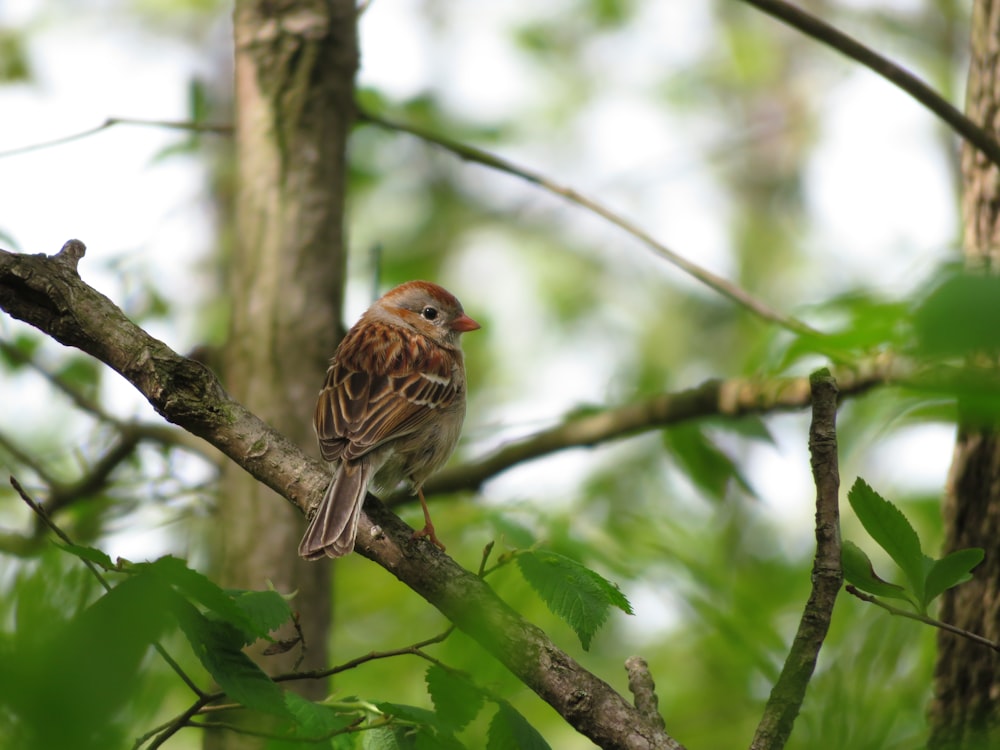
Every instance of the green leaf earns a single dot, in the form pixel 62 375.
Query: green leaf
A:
pixel 81 373
pixel 200 589
pixel 576 594
pixel 511 731
pixel 951 570
pixel 889 527
pixel 218 645
pixel 266 610
pixel 703 461
pixel 65 682
pixel 91 554
pixel 957 317
pixel 455 700
pixel 19 352
pixel 750 426
pixel 412 714
pixel 315 720
pixel 384 738
pixel 858 570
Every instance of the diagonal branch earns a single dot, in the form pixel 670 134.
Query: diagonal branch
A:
pixel 789 691
pixel 47 292
pixel 823 32
pixel 713 281
pixel 735 397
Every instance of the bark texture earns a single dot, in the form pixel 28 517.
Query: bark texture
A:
pixel 295 66
pixel 964 711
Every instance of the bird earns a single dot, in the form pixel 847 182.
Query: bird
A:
pixel 391 408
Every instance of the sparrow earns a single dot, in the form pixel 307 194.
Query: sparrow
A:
pixel 391 408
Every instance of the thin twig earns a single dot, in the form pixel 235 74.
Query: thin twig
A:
pixel 901 78
pixel 195 127
pixel 24 458
pixel 731 398
pixel 724 287
pixel 922 618
pixel 789 691
pixel 351 728
pixel 169 728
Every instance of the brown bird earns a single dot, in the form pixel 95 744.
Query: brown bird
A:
pixel 391 408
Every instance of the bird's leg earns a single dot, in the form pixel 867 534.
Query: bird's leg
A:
pixel 428 530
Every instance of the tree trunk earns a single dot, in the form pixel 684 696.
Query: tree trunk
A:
pixel 967 676
pixel 295 66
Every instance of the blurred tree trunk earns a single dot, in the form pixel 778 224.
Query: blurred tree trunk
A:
pixel 964 713
pixel 295 66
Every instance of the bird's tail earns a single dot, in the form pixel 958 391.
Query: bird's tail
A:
pixel 335 524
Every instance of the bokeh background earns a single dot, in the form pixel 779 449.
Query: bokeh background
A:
pixel 735 141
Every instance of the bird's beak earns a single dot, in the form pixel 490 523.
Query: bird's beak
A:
pixel 463 323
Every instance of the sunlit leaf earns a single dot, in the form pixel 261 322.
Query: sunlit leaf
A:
pixel 892 531
pixel 577 594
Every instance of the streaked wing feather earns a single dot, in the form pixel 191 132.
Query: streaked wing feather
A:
pixel 357 411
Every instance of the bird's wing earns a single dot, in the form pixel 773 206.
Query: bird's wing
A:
pixel 380 388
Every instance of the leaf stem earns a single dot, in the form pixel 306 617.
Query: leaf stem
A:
pixel 922 618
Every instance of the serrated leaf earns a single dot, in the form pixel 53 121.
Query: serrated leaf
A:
pixel 951 570
pixel 266 610
pixel 218 645
pixel 91 554
pixel 413 714
pixel 577 594
pixel 511 731
pixel 892 531
pixel 858 570
pixel 199 588
pixel 314 719
pixel 456 701
pixel 704 463
pixel 383 738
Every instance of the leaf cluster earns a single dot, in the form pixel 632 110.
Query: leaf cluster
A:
pixel 925 577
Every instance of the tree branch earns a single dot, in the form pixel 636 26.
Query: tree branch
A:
pixel 47 292
pixel 974 637
pixel 194 127
pixel 736 397
pixel 901 78
pixel 789 691
pixel 724 287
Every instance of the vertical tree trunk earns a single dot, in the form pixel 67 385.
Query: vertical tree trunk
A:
pixel 964 713
pixel 295 66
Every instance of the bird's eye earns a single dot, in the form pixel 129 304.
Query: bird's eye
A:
pixel 429 313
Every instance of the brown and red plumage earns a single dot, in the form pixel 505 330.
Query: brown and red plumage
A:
pixel 391 408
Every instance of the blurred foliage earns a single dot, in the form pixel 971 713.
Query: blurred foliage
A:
pixel 574 313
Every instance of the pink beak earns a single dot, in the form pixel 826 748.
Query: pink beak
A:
pixel 463 323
